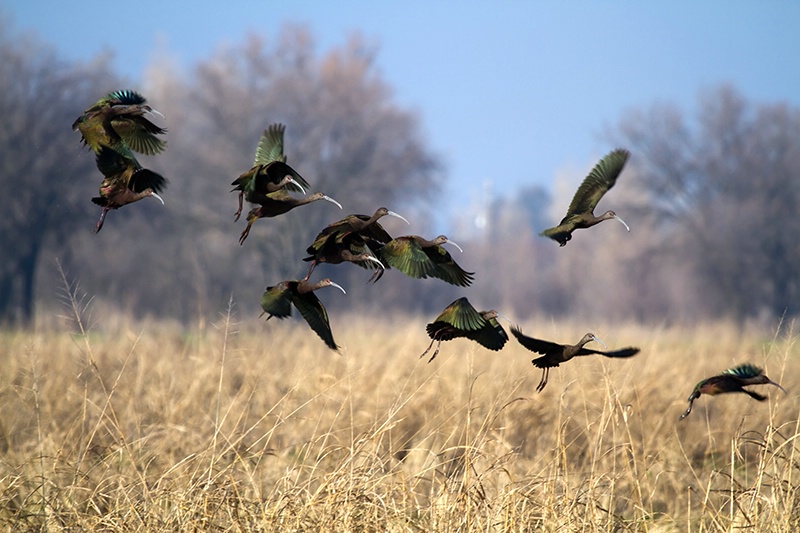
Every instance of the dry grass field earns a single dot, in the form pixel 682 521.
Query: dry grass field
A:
pixel 244 425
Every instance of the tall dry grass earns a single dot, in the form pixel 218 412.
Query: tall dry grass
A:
pixel 253 426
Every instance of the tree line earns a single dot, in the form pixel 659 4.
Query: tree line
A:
pixel 710 196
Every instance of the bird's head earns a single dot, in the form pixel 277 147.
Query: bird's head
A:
pixel 383 211
pixel 488 315
pixel 764 380
pixel 442 239
pixel 321 196
pixel 591 337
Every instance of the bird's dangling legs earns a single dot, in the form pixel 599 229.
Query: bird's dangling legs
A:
pixel 376 275
pixel 754 395
pixel 99 225
pixel 239 211
pixel 311 268
pixel 543 381
pixel 428 349
pixel 245 233
pixel 436 352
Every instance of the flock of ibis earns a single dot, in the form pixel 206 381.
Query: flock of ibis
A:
pixel 119 124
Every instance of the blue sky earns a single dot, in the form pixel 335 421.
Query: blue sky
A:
pixel 511 93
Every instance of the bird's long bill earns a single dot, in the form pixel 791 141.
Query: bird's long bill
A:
pixel 338 287
pixel 159 198
pixel 401 217
pixel 376 260
pixel 292 180
pixel 448 241
pixel 777 385
pixel 156 112
pixel 501 315
pixel 622 222
pixel 689 410
pixel 600 341
pixel 331 200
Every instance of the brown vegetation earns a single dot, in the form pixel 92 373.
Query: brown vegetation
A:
pixel 258 426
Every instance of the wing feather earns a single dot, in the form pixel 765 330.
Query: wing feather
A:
pixel 461 315
pixel 276 301
pixel 270 146
pixel 602 177
pixel 315 314
pixel 536 345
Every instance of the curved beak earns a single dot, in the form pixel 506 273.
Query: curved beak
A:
pixel 159 198
pixel 777 385
pixel 401 217
pixel 376 260
pixel 338 287
pixel 598 340
pixel 622 222
pixel 294 182
pixel 331 200
pixel 156 112
pixel 448 241
pixel 504 317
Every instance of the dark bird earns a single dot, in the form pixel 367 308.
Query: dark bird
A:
pixel 118 121
pixel 353 238
pixel 277 203
pixel 554 354
pixel 581 211
pixel 336 249
pixel 420 258
pixel 731 380
pixel 269 172
pixel 366 225
pixel 277 301
pixel 125 182
pixel 460 319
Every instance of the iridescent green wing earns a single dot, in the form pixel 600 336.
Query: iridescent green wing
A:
pixel 406 255
pixel 315 314
pixel 746 370
pixel 446 269
pixel 460 314
pixel 277 301
pixel 602 177
pixel 270 146
pixel 139 134
pixel 122 97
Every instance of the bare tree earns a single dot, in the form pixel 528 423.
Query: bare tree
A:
pixel 42 168
pixel 724 190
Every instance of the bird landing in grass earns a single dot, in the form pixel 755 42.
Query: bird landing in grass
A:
pixel 460 319
pixel 732 380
